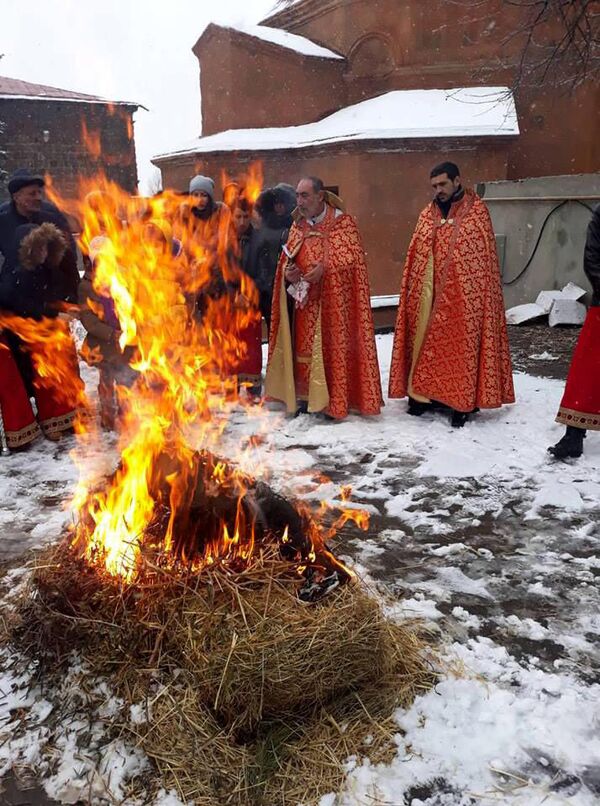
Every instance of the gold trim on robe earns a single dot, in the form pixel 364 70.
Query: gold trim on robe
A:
pixel 425 306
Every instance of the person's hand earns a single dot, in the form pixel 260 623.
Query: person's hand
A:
pixel 292 273
pixel 315 274
pixel 66 316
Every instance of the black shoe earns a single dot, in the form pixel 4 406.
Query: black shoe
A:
pixel 459 418
pixel 302 408
pixel 570 446
pixel 416 408
pixel 315 589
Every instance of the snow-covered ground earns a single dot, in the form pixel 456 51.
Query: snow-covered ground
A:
pixel 474 530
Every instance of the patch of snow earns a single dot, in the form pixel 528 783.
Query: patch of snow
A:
pixel 420 607
pixel 502 732
pixel 452 548
pixel 466 112
pixel 545 356
pixel 556 493
pixel 277 36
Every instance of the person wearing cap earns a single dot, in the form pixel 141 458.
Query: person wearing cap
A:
pixel 27 206
pixel 205 230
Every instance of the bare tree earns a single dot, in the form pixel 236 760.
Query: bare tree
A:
pixel 561 41
pixel 555 41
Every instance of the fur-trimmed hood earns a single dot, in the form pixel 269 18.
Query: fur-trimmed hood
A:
pixel 30 237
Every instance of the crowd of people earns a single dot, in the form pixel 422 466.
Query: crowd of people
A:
pixel 299 263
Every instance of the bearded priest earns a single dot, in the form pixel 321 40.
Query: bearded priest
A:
pixel 451 342
pixel 322 354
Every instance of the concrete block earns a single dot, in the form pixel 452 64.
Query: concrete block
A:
pixel 524 313
pixel 546 298
pixel 572 291
pixel 567 312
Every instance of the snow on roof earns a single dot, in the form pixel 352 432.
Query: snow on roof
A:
pixel 25 90
pixel 286 40
pixel 467 112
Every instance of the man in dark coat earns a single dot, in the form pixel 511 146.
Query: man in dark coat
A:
pixel 34 286
pixel 27 206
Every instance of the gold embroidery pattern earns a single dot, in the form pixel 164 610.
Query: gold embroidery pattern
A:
pixel 16 439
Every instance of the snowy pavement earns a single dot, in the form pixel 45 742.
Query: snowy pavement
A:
pixel 476 532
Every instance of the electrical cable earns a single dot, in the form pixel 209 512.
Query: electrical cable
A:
pixel 539 238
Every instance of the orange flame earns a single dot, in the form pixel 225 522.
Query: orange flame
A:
pixel 91 140
pixel 184 387
pixel 248 185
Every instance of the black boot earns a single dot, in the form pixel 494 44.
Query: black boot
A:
pixel 459 418
pixel 302 408
pixel 416 408
pixel 571 444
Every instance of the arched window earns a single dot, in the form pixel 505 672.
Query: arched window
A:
pixel 372 57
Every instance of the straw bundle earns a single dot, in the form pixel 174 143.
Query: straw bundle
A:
pixel 253 698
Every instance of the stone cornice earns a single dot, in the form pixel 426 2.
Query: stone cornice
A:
pixel 300 13
pixel 254 43
pixel 400 145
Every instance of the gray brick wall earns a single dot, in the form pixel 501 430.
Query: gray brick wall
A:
pixel 48 136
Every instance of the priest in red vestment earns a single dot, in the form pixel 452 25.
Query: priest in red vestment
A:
pixel 580 406
pixel 322 354
pixel 451 343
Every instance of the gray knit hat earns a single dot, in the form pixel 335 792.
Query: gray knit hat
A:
pixel 203 184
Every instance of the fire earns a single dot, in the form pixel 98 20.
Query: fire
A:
pixel 247 185
pixel 50 345
pixel 254 182
pixel 91 140
pixel 177 409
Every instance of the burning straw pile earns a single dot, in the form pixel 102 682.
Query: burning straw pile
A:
pixel 251 697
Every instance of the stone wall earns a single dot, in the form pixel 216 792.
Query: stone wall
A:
pixel 249 83
pixel 561 205
pixel 68 140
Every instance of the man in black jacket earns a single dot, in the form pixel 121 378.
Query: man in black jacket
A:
pixel 580 407
pixel 27 206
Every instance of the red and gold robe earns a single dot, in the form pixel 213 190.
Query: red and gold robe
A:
pixel 451 341
pixel 56 413
pixel 580 406
pixel 324 353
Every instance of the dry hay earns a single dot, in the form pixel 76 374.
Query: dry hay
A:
pixel 265 698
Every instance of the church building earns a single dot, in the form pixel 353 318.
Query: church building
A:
pixel 369 96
